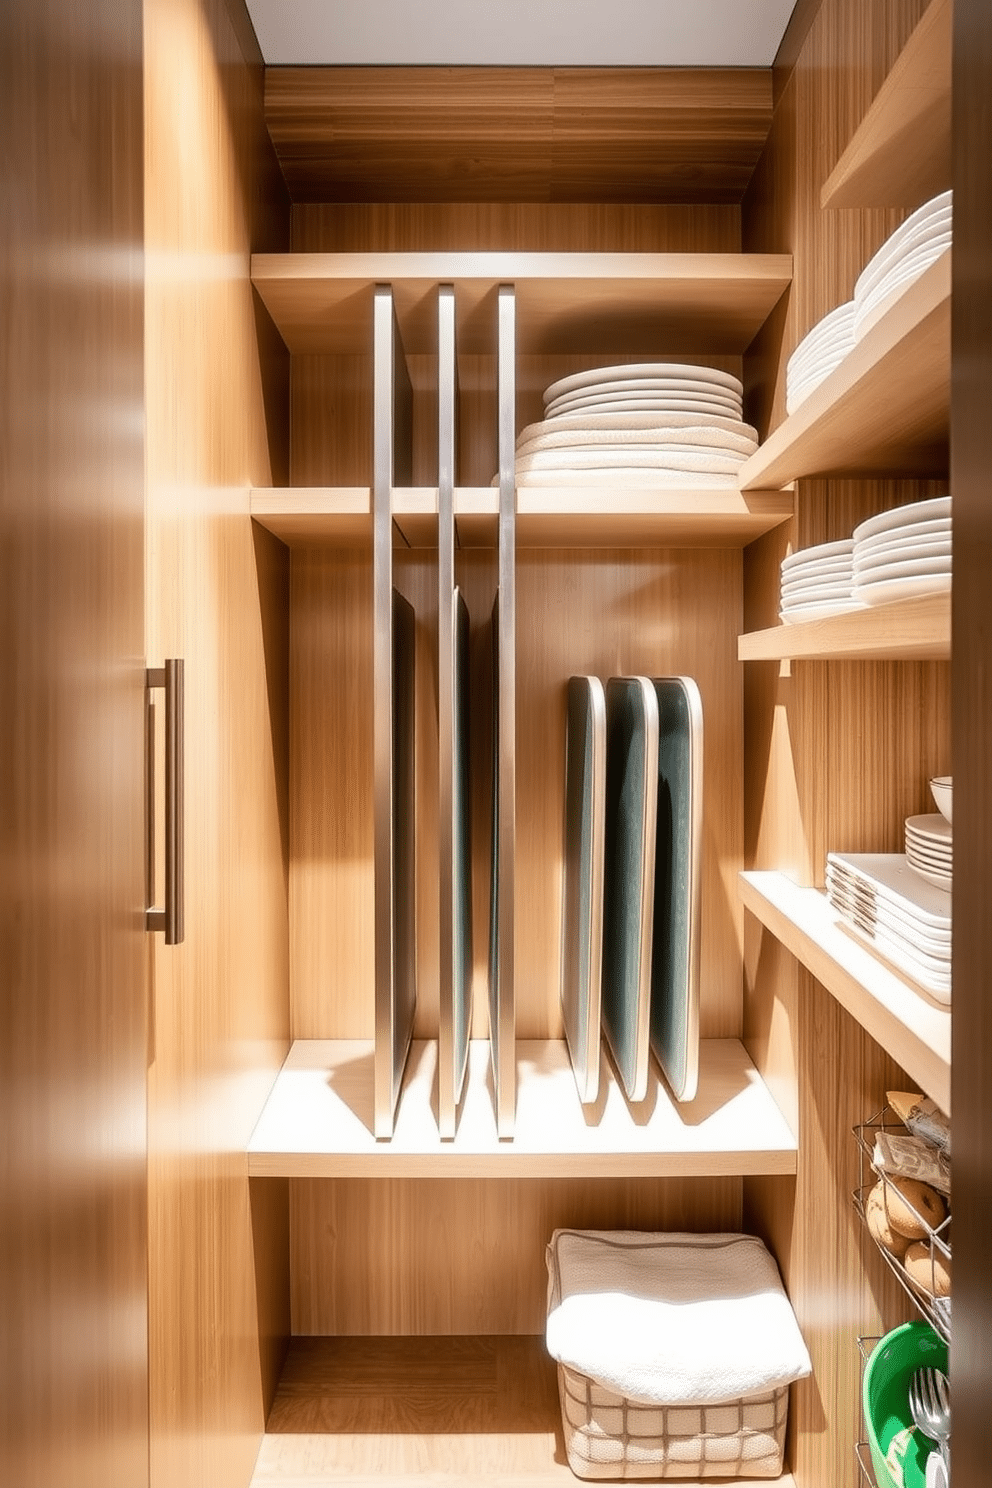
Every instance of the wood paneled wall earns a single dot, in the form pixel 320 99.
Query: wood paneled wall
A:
pixel 971 443
pixel 217 402
pixel 605 612
pixel 836 755
pixel 73 985
pixel 517 134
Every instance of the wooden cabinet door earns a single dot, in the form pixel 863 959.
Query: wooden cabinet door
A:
pixel 73 951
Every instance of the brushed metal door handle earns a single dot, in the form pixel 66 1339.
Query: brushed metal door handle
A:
pixel 170 918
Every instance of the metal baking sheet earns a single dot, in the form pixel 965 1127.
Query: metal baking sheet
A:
pixel 628 876
pixel 582 887
pixel 675 935
pixel 404 817
pixel 461 888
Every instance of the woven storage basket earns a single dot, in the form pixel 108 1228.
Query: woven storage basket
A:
pixel 608 1437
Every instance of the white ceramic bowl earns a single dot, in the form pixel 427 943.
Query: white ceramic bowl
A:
pixel 940 787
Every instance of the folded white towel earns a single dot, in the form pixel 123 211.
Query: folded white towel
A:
pixel 675 1319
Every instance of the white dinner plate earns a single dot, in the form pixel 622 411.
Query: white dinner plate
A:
pixel 933 530
pixel 842 563
pixel 933 825
pixel 818 551
pixel 697 401
pixel 797 581
pixel 888 875
pixel 932 216
pixel 693 438
pixel 816 372
pixel 906 266
pixel 881 301
pixel 648 478
pixel 903 516
pixel 891 568
pixel 936 944
pixel 650 423
pixel 818 611
pixel 939 967
pixel 818 346
pixel 890 263
pixel 931 876
pixel 648 403
pixel 929 545
pixel 675 371
pixel 929 853
pixel 910 588
pixel 815 594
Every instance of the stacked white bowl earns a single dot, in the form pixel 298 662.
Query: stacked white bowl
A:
pixel 817 582
pixel 816 356
pixel 648 424
pixel 904 553
pixel 903 257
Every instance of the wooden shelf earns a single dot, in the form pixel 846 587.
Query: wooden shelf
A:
pixel 900 154
pixel 884 409
pixel 547 517
pixel 318 1120
pixel 614 303
pixel 416 1410
pixel 909 630
pixel 914 1030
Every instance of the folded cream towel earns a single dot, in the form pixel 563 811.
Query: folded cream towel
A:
pixel 673 1319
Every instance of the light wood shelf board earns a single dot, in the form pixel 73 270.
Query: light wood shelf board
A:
pixel 546 517
pixel 358 1411
pixel 557 517
pixel 566 302
pixel 318 1120
pixel 900 154
pixel 908 630
pixel 912 1028
pixel 885 408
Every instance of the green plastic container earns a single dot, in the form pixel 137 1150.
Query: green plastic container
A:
pixel 885 1399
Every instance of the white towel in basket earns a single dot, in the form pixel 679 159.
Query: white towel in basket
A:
pixel 675 1319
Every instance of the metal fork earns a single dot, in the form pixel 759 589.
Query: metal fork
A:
pixel 930 1405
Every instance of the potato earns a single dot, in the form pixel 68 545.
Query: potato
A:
pixel 928 1268
pixel 878 1224
pixel 911 1206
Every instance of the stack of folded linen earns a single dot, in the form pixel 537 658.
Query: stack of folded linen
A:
pixel 903 257
pixel 904 553
pixel 904 918
pixel 648 424
pixel 816 356
pixel 817 582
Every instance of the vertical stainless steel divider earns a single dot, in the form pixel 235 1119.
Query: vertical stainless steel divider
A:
pixel 392 425
pixel 502 1009
pixel 453 1017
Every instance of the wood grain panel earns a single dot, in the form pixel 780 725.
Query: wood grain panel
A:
pixel 530 227
pixel 385 1256
pixel 517 134
pixel 972 723
pixel 469 1410
pixel 73 969
pixel 835 752
pixel 217 404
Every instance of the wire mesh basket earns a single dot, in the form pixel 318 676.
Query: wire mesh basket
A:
pixel 928 1285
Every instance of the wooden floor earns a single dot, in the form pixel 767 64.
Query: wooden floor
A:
pixel 360 1411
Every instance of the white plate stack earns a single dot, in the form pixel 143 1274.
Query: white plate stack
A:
pixel 648 424
pixel 903 257
pixel 904 918
pixel 904 553
pixel 929 848
pixel 817 582
pixel 816 356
